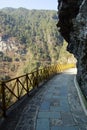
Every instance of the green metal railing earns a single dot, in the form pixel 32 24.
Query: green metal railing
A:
pixel 13 90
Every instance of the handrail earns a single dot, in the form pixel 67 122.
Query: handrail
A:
pixel 12 90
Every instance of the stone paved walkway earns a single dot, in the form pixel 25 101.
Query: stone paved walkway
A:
pixel 55 107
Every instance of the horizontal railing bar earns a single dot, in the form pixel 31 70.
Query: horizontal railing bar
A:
pixel 6 81
pixel 17 87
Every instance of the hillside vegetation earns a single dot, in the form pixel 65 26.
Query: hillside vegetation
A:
pixel 28 39
pixel 64 56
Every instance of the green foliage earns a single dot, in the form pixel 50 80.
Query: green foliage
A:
pixel 65 56
pixel 35 29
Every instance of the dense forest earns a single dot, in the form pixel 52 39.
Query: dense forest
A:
pixel 28 39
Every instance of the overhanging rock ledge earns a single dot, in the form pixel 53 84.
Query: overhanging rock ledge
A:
pixel 73 27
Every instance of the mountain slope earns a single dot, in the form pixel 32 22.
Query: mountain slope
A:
pixel 34 33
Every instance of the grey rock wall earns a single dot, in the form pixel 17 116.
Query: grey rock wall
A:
pixel 73 27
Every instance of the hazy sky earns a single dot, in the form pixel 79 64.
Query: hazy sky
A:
pixel 30 4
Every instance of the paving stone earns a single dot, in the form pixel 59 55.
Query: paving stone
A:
pixel 55 108
pixel 48 115
pixel 57 93
pixel 80 119
pixel 56 122
pixel 83 127
pixel 45 106
pixel 66 128
pixel 59 109
pixel 28 125
pixel 64 101
pixel 67 118
pixel 65 106
pixel 48 96
pixel 54 128
pixel 55 97
pixel 42 124
pixel 55 102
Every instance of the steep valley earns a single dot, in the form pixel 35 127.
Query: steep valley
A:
pixel 28 39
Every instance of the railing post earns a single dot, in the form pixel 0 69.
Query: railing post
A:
pixel 45 70
pixel 48 69
pixel 37 77
pixel 3 99
pixel 18 89
pixel 27 84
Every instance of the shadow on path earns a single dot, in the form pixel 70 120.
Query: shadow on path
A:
pixel 55 106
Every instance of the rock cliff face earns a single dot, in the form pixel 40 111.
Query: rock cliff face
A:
pixel 73 27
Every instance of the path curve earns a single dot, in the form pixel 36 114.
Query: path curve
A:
pixel 56 106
